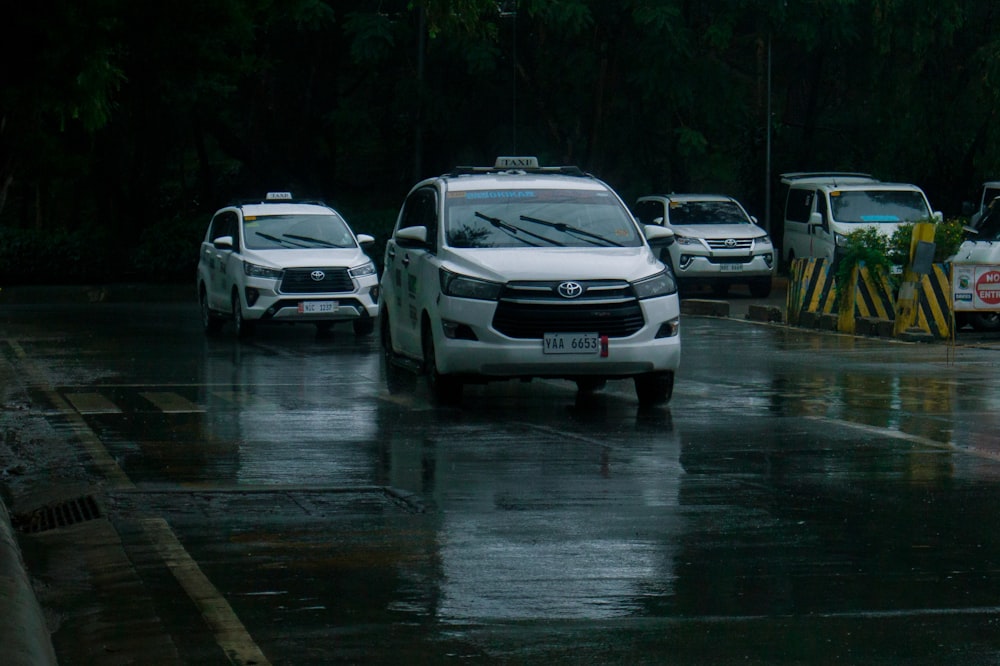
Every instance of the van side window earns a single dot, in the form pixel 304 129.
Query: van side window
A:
pixel 799 205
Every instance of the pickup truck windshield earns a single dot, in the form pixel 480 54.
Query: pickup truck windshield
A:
pixel 867 206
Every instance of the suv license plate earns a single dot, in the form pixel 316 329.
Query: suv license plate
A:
pixel 571 343
pixel 731 268
pixel 318 307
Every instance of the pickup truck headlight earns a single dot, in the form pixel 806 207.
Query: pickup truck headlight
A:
pixel 461 286
pixel 253 270
pixel 661 284
pixel 362 270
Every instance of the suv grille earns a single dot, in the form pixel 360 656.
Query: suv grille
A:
pixel 531 309
pixel 737 243
pixel 300 281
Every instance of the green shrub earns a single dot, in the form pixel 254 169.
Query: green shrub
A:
pixel 948 236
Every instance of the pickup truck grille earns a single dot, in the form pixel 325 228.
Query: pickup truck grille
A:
pixel 531 309
pixel 300 281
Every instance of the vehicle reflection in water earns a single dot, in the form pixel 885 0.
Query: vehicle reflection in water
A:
pixel 541 512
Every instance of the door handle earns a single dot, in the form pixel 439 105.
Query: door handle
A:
pixel 406 260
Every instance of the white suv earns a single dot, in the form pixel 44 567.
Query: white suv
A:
pixel 285 262
pixel 716 242
pixel 516 271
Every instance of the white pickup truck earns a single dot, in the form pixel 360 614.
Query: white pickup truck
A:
pixel 976 272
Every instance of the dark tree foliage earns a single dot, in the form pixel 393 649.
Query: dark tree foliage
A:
pixel 123 125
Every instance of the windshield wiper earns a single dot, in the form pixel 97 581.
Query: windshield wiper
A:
pixel 597 239
pixel 279 241
pixel 310 239
pixel 513 231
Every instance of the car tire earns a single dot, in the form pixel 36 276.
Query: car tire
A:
pixel 397 379
pixel 444 389
pixel 242 327
pixel 985 321
pixel 654 388
pixel 364 326
pixel 760 288
pixel 210 321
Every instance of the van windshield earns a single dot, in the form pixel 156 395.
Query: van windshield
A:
pixel 867 206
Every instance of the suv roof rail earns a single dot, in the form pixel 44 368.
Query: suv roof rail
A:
pixel 793 176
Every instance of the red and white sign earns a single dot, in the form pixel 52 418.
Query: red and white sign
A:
pixel 988 286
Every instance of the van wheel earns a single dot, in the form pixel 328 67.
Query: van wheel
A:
pixel 445 390
pixel 397 379
pixel 210 321
pixel 985 321
pixel 242 327
pixel 654 388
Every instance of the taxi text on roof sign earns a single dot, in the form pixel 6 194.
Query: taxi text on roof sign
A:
pixel 279 196
pixel 513 162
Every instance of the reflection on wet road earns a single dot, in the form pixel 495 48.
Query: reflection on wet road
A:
pixel 805 498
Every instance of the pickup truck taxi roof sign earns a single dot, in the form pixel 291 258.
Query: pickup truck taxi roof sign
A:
pixel 516 162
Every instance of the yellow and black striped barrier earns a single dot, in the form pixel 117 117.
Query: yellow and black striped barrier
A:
pixel 810 288
pixel 934 314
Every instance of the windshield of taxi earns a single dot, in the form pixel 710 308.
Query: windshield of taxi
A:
pixel 706 212
pixel 538 218
pixel 866 206
pixel 291 232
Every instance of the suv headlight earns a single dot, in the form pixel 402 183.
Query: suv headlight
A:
pixel 661 284
pixel 763 241
pixel 253 270
pixel 362 270
pixel 686 240
pixel 453 284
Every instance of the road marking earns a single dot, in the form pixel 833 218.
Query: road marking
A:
pixel 103 460
pixel 916 439
pixel 171 403
pixel 92 403
pixel 230 634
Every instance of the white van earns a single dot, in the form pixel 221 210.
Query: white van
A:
pixel 821 209
pixel 976 273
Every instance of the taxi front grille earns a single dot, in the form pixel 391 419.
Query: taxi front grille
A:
pixel 533 320
pixel 316 281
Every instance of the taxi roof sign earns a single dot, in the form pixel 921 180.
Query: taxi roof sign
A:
pixel 516 162
pixel 279 196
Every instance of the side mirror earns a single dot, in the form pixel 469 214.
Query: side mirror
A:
pixel 223 243
pixel 815 220
pixel 412 237
pixel 365 239
pixel 938 216
pixel 658 236
pixel 753 218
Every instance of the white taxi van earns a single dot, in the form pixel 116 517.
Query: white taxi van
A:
pixel 282 261
pixel 520 271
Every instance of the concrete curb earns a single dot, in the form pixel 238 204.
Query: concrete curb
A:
pixel 23 632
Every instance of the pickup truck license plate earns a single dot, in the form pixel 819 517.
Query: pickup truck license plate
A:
pixel 571 343
pixel 318 307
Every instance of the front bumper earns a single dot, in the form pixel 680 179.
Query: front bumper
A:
pixel 262 302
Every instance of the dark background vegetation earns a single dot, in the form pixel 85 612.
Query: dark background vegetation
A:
pixel 124 125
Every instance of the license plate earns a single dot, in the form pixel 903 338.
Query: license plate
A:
pixel 571 343
pixel 731 268
pixel 318 307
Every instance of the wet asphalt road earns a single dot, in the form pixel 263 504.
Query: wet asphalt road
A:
pixel 805 498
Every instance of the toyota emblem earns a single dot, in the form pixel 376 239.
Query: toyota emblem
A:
pixel 570 289
pixel 317 276
pixel 730 242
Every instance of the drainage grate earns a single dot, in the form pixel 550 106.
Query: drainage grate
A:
pixel 59 515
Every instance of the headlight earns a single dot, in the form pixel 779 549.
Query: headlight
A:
pixel 686 240
pixel 253 270
pixel 362 270
pixel 840 240
pixel 660 284
pixel 763 241
pixel 453 284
